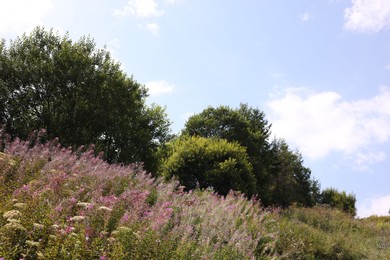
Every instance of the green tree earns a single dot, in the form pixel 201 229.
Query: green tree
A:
pixel 280 175
pixel 290 181
pixel 205 162
pixel 79 94
pixel 340 200
pixel 244 125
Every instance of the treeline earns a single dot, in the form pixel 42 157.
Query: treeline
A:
pixel 80 95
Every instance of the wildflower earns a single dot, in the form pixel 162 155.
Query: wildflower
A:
pixel 83 204
pixel 38 226
pixel 55 226
pixel 104 208
pixel 12 214
pixel 77 218
pixel 12 220
pixel 20 205
pixel 167 204
pixel 15 226
pixel 58 208
pixel 88 232
pixel 69 229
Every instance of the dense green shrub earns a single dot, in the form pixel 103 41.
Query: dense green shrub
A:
pixel 339 200
pixel 204 162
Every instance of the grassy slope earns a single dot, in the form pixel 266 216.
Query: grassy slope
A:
pixel 55 204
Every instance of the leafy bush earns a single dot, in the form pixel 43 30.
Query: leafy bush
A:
pixel 206 162
pixel 340 200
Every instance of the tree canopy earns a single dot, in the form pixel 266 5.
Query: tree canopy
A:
pixel 281 178
pixel 205 162
pixel 244 125
pixel 291 182
pixel 79 94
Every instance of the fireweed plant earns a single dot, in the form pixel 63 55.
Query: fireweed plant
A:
pixel 59 204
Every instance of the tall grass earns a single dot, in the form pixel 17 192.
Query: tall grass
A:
pixel 325 233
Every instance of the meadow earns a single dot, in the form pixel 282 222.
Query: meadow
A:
pixel 56 203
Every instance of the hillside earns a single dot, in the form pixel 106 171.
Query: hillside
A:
pixel 59 204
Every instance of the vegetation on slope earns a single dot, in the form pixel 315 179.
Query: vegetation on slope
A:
pixel 59 204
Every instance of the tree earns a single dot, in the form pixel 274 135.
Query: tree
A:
pixel 281 178
pixel 340 200
pixel 205 162
pixel 244 125
pixel 79 94
pixel 290 181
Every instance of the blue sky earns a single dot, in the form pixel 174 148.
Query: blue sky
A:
pixel 319 69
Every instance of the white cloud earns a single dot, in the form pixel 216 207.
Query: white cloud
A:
pixel 19 16
pixel 367 15
pixel 140 9
pixel 306 17
pixel 173 2
pixel 154 28
pixel 320 123
pixel 378 206
pixel 157 88
pixel 362 160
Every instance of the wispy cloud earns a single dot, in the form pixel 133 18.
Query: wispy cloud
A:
pixel 367 15
pixel 377 206
pixel 140 9
pixel 19 16
pixel 157 88
pixel 173 2
pixel 320 123
pixel 305 17
pixel 154 28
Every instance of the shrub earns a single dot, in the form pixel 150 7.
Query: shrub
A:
pixel 214 163
pixel 339 200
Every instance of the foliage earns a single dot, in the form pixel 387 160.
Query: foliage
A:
pixel 340 200
pixel 281 178
pixel 244 125
pixel 204 162
pixel 79 94
pixel 290 180
pixel 59 204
